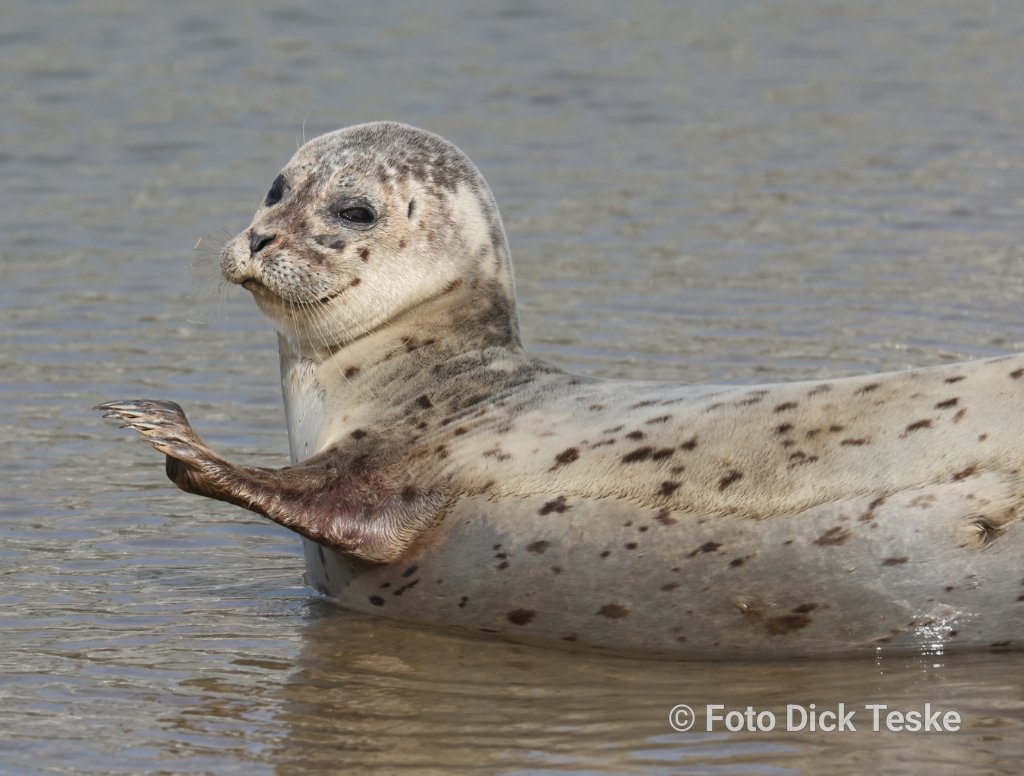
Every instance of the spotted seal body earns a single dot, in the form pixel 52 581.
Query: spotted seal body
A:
pixel 440 474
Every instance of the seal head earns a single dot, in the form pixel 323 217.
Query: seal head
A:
pixel 368 223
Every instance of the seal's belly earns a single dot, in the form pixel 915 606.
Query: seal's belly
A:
pixel 910 571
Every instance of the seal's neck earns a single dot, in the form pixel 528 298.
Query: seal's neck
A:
pixel 462 320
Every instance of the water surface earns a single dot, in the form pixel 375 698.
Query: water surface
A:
pixel 721 191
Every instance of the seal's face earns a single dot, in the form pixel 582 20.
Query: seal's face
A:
pixel 362 225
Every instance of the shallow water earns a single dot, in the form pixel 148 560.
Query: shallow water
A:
pixel 727 192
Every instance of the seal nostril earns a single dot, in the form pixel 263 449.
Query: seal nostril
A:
pixel 258 242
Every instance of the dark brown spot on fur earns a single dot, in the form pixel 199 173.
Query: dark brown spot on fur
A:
pixel 558 505
pixel 804 608
pixel 868 388
pixel 376 600
pixel 785 428
pixel 424 402
pixel 630 545
pixel 359 433
pixel 704 548
pixel 613 611
pixel 668 488
pixel 364 254
pixel 855 442
pixel 731 477
pixel 665 518
pixel 351 372
pixel 403 588
pixel 635 435
pixel 665 452
pixel 605 553
pixel 833 537
pixel 410 493
pixel 689 444
pixel 1016 374
pixel 963 474
pixel 659 419
pixel 819 389
pixel 566 457
pixel 538 547
pixel 895 561
pixel 640 454
pixel 670 586
pixel 952 380
pixel 918 425
pixel 801 459
pixel 786 405
pixel 521 616
pixel 947 404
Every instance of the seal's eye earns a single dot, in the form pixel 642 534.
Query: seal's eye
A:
pixel 277 189
pixel 360 215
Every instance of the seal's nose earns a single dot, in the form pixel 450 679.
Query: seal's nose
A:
pixel 258 242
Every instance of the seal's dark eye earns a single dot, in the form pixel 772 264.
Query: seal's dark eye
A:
pixel 357 215
pixel 277 189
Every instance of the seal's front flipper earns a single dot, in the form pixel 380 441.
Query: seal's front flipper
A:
pixel 191 465
pixel 372 515
pixel 163 424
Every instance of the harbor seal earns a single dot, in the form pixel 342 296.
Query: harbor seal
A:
pixel 440 474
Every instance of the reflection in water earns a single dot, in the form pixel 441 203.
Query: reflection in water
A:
pixel 380 696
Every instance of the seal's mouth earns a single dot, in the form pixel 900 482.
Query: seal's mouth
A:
pixel 257 288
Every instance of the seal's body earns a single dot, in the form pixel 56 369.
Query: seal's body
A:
pixel 443 475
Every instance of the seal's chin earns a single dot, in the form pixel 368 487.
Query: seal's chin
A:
pixel 254 286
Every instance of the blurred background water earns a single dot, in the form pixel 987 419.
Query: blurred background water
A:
pixel 711 191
